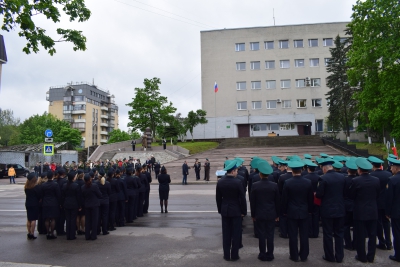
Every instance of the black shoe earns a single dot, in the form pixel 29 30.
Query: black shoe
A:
pixel 33 237
pixel 349 248
pixel 282 236
pixel 28 236
pixel 356 257
pixel 112 229
pixel 162 211
pixel 106 233
pixel 304 260
pixel 51 237
pixel 381 246
pixel 238 258
pixel 227 259
pixel 324 258
pixel 290 258
pixel 393 258
pixel 166 211
pixel 390 247
pixel 61 234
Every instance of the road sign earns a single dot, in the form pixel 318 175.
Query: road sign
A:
pixel 48 133
pixel 48 140
pixel 48 150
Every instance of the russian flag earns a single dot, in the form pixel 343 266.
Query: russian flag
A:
pixel 216 87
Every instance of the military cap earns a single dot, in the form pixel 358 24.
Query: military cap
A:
pixel 375 160
pixel 230 166
pixel 337 165
pixel 80 171
pixel 351 164
pixel 337 158
pixel 363 163
pixel 283 162
pixel 394 161
pixel 307 156
pixel 254 163
pixel 326 161
pixel 309 163
pixel 392 156
pixel 294 164
pixel 323 155
pixel 264 167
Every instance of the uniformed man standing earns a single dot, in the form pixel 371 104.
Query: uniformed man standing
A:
pixel 283 228
pixel 197 168
pixel 133 143
pixel 207 170
pixel 330 190
pixel 231 204
pixel 313 220
pixel 349 205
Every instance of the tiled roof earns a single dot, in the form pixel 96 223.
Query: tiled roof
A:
pixel 30 148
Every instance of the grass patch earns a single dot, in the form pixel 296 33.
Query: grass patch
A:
pixel 374 148
pixel 198 147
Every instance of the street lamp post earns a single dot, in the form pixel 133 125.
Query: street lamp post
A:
pixel 94 125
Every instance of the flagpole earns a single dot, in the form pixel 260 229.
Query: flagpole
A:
pixel 215 111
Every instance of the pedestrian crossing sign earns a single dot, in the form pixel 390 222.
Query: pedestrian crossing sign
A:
pixel 48 150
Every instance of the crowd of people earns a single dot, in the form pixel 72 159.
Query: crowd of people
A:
pixel 90 199
pixel 298 195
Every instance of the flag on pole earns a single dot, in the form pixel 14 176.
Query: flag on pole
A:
pixel 216 87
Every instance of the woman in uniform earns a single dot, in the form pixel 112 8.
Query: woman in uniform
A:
pixel 105 189
pixel 80 218
pixel 122 199
pixel 91 198
pixel 71 201
pixel 163 189
pixel 142 190
pixel 51 196
pixel 40 225
pixel 32 204
pixel 113 199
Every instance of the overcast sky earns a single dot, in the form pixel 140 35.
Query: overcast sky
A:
pixel 130 40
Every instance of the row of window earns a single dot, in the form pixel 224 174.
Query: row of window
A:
pixel 93 93
pixel 273 127
pixel 272 104
pixel 283 64
pixel 74 107
pixel 284 84
pixel 284 44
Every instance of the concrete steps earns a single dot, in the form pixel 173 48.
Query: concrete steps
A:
pixel 278 141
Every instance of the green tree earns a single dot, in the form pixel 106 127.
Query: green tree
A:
pixel 149 107
pixel 8 126
pixel 117 135
pixel 32 130
pixel 195 118
pixel 20 13
pixel 134 134
pixel 374 60
pixel 342 105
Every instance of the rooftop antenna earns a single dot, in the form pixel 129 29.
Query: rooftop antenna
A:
pixel 273 14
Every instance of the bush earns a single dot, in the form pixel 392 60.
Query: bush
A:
pixel 174 141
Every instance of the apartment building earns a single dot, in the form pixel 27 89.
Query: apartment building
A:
pixel 88 108
pixel 271 80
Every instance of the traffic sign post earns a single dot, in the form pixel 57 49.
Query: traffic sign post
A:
pixel 48 133
pixel 48 150
pixel 48 140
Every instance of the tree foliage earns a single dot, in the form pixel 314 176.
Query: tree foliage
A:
pixel 374 62
pixel 118 135
pixel 8 127
pixel 20 14
pixel 195 118
pixel 149 107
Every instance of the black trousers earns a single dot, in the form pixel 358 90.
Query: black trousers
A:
pixel 70 216
pixel 265 230
pixel 283 226
pixel 333 228
pixel 146 201
pixel 298 227
pixel 383 229
pixel 92 217
pixel 362 230
pixel 120 212
pixel 231 231
pixel 396 237
pixel 60 223
pixel 140 203
pixel 103 217
pixel 130 208
pixel 41 227
pixel 313 223
pixel 348 223
pixel 197 175
pixel 157 173
pixel 133 148
pixel 112 214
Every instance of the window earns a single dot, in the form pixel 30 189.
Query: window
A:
pixel 255 46
pixel 241 86
pixel 259 127
pixel 301 103
pixel 51 103
pixel 314 62
pixel 274 127
pixel 79 117
pixel 271 104
pixel 240 47
pixel 284 44
pixel 240 65
pixel 67 98
pixel 312 42
pixel 328 41
pixel 285 83
pixel 287 104
pixel 79 98
pixel 255 65
pixel 241 105
pixel 319 125
pixel 287 126
pixel 299 63
pixel 269 44
pixel 315 82
pixel 256 104
pixel 285 64
pixel 298 43
pixel 342 40
pixel 271 84
pixel 300 83
pixel 327 60
pixel 317 103
pixel 256 85
pixel 270 64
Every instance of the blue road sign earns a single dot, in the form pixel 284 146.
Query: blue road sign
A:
pixel 48 150
pixel 48 133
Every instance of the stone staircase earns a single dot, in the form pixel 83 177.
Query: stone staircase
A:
pixel 108 155
pixel 278 141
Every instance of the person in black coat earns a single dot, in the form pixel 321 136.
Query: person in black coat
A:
pixel 32 192
pixel 105 189
pixel 71 202
pixel 113 199
pixel 157 168
pixel 163 188
pixel 51 197
pixel 349 205
pixel 286 175
pixel 392 208
pixel 185 172
pixel 41 228
pixel 91 197
pixel 131 205
pixel 61 180
pixel 80 218
pixel 383 228
pixel 122 199
pixel 133 143
pixel 297 204
pixel 365 191
pixel 313 219
pixel 147 193
pixel 331 187
pixel 231 204
pixel 197 169
pixel 265 207
pixel 207 168
pixel 142 191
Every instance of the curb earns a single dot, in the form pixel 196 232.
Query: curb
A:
pixel 194 183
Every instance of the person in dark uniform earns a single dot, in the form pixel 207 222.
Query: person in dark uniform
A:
pixel 163 189
pixel 41 228
pixel 254 175
pixel 365 191
pixel 142 190
pixel 337 167
pixel 330 190
pixel 207 167
pixel 32 192
pixel 147 193
pixel 91 196
pixel 104 208
pixel 265 204
pixel 383 228
pixel 349 205
pixel 282 169
pixel 231 204
pixel 71 202
pixel 80 219
pixel 133 143
pixel 197 169
pixel 283 227
pixel 313 219
pixel 113 199
pixel 185 172
pixel 344 168
pixel 297 203
pixel 392 209
pixel 122 199
pixel 164 143
pixel 131 205
pixel 51 197
pixel 61 180
pixel 157 168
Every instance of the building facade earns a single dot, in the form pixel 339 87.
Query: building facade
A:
pixel 271 80
pixel 88 108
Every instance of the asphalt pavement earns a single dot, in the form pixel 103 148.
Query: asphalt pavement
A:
pixel 189 235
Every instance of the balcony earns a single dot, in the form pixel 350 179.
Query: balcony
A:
pixel 104 124
pixel 103 141
pixel 103 132
pixel 79 120
pixel 104 116
pixel 104 108
pixel 80 111
pixel 112 125
pixel 66 111
pixel 70 120
pixel 81 129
